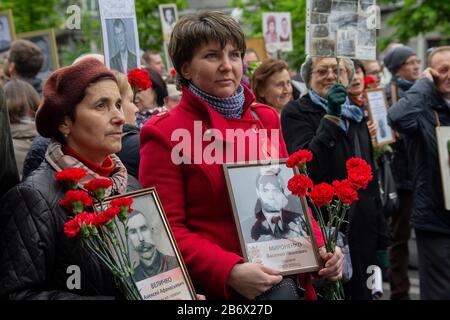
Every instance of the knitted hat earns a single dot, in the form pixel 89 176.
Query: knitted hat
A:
pixel 64 90
pixel 396 57
pixel 306 70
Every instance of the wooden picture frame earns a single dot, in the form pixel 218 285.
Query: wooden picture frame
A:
pixel 377 107
pixel 259 46
pixel 168 15
pixel 294 249
pixel 148 230
pixel 7 30
pixel 46 41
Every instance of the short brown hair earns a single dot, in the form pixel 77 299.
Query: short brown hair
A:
pixel 27 57
pixel 436 50
pixel 21 99
pixel 122 82
pixel 146 57
pixel 263 72
pixel 193 31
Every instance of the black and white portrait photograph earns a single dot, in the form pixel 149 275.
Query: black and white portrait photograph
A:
pixel 266 212
pixel 153 251
pixel 346 42
pixel 119 34
pixel 323 6
pixel 345 5
pixel 323 47
pixel 121 40
pixel 377 106
pixel 319 18
pixel 46 41
pixel 320 31
pixel 7 33
pixel 169 16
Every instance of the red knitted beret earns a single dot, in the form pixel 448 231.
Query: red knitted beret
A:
pixel 64 90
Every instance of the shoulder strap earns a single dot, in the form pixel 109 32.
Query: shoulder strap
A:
pixel 394 96
pixel 437 118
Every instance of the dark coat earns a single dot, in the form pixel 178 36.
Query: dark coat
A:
pixel 413 116
pixel 116 62
pixel 129 154
pixel 34 251
pixel 304 127
pixel 35 155
pixel 401 164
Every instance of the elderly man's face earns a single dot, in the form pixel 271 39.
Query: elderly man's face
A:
pixel 441 63
pixel 140 235
pixel 272 197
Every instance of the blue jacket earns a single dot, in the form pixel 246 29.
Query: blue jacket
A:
pixel 413 116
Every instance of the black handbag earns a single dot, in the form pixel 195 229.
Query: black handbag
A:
pixel 388 188
pixel 285 290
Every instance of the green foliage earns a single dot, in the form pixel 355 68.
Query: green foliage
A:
pixel 253 20
pixel 415 17
pixel 33 15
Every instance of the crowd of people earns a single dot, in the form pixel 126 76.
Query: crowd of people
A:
pixel 87 116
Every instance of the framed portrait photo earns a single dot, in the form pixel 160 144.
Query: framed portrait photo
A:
pixel 46 41
pixel 258 45
pixel 7 30
pixel 377 105
pixel 443 144
pixel 169 16
pixel 159 270
pixel 119 34
pixel 274 226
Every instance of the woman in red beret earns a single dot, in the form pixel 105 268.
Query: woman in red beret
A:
pixel 82 114
pixel 207 52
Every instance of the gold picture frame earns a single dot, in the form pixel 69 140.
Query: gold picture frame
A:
pixel 46 40
pixel 7 29
pixel 292 251
pixel 148 223
pixel 377 106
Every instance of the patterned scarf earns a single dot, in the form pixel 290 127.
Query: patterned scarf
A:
pixel 349 111
pixel 405 85
pixel 231 107
pixel 59 161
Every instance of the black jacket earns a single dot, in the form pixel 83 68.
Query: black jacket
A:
pixel 129 154
pixel 35 155
pixel 304 127
pixel 413 116
pixel 35 254
pixel 401 164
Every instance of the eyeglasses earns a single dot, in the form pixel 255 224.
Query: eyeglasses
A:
pixel 374 72
pixel 323 72
pixel 410 63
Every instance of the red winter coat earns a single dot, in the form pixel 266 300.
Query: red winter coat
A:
pixel 195 196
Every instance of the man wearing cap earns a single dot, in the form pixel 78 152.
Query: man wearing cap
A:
pixel 404 66
pixel 273 219
pixel 425 106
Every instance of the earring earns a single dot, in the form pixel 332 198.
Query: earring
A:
pixel 66 135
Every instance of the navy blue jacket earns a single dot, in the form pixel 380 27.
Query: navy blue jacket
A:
pixel 413 116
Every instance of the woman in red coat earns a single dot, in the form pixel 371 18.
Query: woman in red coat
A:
pixel 182 152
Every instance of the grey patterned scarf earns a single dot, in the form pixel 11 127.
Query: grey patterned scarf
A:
pixel 59 161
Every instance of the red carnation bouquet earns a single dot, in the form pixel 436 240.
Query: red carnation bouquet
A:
pixel 99 226
pixel 139 80
pixel 330 202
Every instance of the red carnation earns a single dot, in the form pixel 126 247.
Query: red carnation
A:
pixel 299 185
pixel 73 227
pixel 105 216
pixel 298 158
pixel 322 194
pixel 97 184
pixel 139 78
pixel 121 202
pixel 359 172
pixel 369 82
pixel 345 191
pixel 173 72
pixel 71 174
pixel 76 200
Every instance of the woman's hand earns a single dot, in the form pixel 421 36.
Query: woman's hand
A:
pixel 252 279
pixel 372 129
pixel 200 297
pixel 333 265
